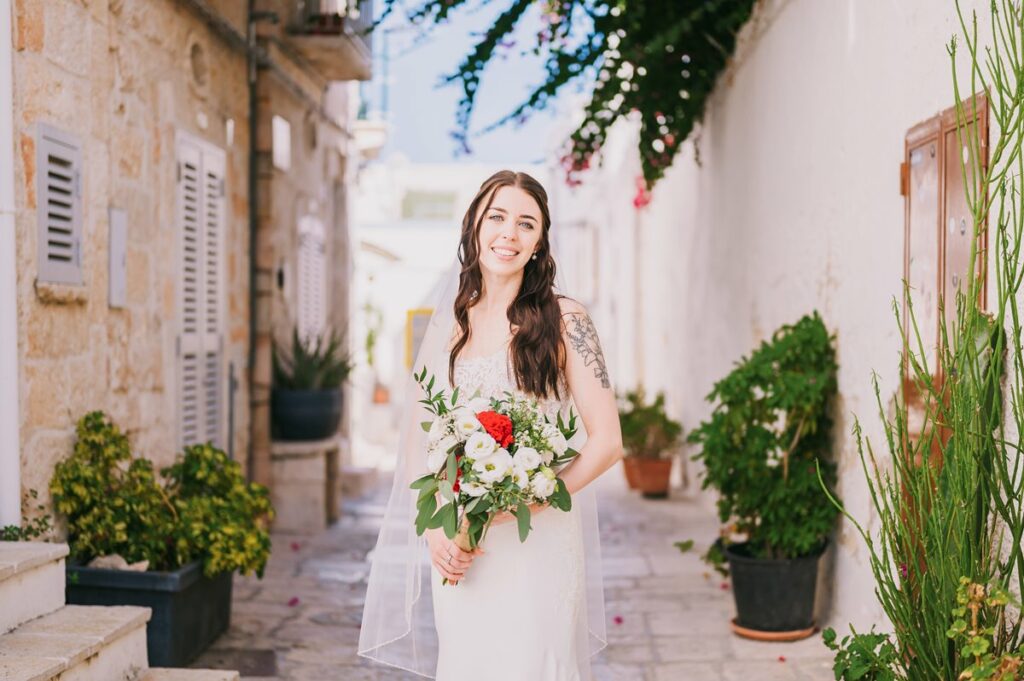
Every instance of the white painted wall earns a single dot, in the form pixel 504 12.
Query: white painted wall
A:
pixel 10 467
pixel 795 207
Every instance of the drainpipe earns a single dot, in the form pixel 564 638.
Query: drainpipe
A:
pixel 10 456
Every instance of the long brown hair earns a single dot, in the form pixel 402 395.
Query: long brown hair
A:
pixel 538 350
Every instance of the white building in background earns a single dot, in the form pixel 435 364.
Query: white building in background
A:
pixel 406 219
pixel 815 152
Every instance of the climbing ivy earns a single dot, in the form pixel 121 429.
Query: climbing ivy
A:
pixel 660 58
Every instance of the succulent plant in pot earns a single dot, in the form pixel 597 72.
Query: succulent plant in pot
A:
pixel 649 437
pixel 764 446
pixel 306 401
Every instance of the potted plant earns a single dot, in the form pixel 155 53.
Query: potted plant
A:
pixel 648 437
pixel 306 400
pixel 189 529
pixel 763 448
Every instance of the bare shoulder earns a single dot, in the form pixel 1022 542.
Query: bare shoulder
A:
pixel 570 306
pixel 582 341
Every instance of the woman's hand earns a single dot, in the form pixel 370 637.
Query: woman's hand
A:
pixel 448 559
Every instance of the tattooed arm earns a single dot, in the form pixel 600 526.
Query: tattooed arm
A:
pixel 587 375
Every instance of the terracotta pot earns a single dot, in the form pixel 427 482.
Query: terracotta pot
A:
pixel 651 475
pixel 381 394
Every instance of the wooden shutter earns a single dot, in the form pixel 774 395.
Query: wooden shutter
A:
pixel 59 206
pixel 201 384
pixel 937 226
pixel 937 238
pixel 312 278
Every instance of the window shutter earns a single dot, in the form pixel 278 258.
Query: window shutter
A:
pixel 213 308
pixel 312 278
pixel 59 206
pixel 201 293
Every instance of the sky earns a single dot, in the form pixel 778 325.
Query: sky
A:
pixel 422 112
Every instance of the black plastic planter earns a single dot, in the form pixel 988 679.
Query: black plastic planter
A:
pixel 305 414
pixel 190 610
pixel 773 595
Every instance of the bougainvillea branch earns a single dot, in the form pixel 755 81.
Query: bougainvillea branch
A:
pixel 659 58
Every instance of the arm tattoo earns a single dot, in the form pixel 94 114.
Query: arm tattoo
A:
pixel 583 337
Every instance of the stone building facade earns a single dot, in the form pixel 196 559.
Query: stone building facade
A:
pixel 132 156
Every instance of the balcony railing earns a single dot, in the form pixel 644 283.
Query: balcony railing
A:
pixel 330 34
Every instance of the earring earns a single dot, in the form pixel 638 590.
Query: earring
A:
pixel 534 257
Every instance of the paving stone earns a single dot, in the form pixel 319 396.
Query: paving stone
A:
pixel 667 615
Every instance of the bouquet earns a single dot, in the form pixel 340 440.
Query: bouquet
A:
pixel 486 457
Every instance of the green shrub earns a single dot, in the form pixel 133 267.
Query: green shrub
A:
pixel 862 657
pixel 115 503
pixel 647 432
pixel 766 438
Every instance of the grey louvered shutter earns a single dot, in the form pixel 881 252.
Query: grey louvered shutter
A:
pixel 213 289
pixel 201 293
pixel 59 206
pixel 312 278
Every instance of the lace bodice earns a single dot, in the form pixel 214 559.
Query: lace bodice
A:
pixel 491 375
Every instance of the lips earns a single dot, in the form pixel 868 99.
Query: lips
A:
pixel 504 253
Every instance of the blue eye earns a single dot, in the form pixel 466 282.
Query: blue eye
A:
pixel 496 217
pixel 527 225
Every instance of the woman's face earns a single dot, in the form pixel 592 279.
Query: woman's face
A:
pixel 510 232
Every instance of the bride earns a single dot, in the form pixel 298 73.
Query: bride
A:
pixel 512 610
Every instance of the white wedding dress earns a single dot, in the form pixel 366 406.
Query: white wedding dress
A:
pixel 520 612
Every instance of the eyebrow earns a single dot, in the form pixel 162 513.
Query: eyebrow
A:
pixel 502 210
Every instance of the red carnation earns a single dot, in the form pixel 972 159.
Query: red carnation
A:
pixel 497 426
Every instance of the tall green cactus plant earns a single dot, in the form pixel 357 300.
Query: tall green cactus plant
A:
pixel 949 499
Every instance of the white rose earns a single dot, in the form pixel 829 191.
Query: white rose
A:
pixel 466 422
pixel 473 489
pixel 445 443
pixel 436 459
pixel 478 404
pixel 521 478
pixel 556 439
pixel 526 458
pixel 546 456
pixel 480 445
pixel 437 428
pixel 494 467
pixel 543 483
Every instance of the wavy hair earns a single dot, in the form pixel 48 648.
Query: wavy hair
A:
pixel 538 350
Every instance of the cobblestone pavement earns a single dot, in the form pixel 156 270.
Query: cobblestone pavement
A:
pixel 668 618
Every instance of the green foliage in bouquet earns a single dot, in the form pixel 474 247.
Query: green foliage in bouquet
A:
pixel 115 503
pixel 477 514
pixel 947 494
pixel 647 431
pixel 767 436
pixel 312 364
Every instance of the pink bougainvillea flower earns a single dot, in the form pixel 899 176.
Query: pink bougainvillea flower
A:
pixel 724 586
pixel 293 601
pixel 782 658
pixel 617 619
pixel 295 546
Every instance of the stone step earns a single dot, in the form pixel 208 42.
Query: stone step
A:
pixel 160 674
pixel 31 581
pixel 78 643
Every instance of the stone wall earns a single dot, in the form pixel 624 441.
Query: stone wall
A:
pixel 124 78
